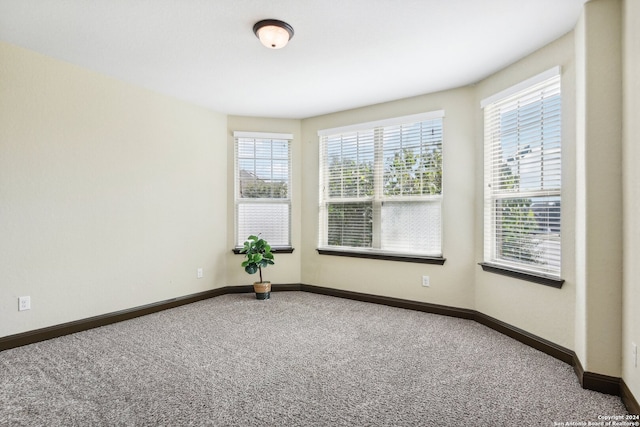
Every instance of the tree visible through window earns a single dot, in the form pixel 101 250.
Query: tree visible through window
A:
pixel 263 202
pixel 381 186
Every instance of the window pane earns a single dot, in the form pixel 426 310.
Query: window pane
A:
pixel 350 165
pixel 263 177
pixel 246 148
pixel 350 224
pixel 248 166
pixel 530 145
pixel 528 231
pixel 516 231
pixel 412 155
pixel 263 148
pixel 412 227
pixel 263 169
pixel 253 188
pixel 280 170
pixel 280 149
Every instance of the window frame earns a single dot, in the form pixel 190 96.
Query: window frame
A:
pixel 377 198
pixel 278 247
pixel 492 261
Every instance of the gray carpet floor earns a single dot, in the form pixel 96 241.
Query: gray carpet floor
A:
pixel 298 359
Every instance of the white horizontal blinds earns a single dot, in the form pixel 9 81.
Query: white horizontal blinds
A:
pixel 412 187
pixel 412 227
pixel 348 168
pixel 381 186
pixel 412 156
pixel 523 179
pixel 263 204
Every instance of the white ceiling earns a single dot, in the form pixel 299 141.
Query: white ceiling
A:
pixel 344 54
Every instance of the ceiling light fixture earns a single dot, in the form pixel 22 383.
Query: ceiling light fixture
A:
pixel 272 33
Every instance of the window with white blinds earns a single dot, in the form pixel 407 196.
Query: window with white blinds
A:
pixel 381 186
pixel 262 187
pixel 523 176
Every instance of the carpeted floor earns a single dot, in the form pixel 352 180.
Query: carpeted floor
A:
pixel 298 359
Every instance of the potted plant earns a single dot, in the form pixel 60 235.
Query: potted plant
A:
pixel 258 255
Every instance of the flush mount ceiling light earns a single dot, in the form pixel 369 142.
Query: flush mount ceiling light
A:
pixel 272 33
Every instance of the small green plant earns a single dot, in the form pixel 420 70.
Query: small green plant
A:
pixel 258 255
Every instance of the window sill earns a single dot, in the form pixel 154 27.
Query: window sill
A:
pixel 385 257
pixel 274 249
pixel 518 274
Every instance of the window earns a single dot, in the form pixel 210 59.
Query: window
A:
pixel 263 187
pixel 381 187
pixel 522 177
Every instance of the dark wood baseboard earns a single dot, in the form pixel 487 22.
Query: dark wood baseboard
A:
pixel 596 382
pixel 285 287
pixel 393 302
pixel 275 287
pixel 628 399
pixel 541 344
pixel 588 380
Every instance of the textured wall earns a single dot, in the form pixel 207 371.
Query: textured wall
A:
pixel 110 193
pixel 631 187
pixel 599 196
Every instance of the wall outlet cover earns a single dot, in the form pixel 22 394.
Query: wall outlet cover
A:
pixel 24 303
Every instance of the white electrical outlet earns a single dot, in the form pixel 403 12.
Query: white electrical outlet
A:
pixel 425 281
pixel 24 303
pixel 635 354
pixel 200 273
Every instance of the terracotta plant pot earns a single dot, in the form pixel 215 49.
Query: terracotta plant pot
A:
pixel 262 290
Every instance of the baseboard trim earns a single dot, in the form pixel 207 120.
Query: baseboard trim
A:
pixel 596 382
pixel 602 383
pixel 285 287
pixel 628 399
pixel 393 302
pixel 541 344
pixel 588 380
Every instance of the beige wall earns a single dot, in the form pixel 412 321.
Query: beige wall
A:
pixel 599 201
pixel 544 311
pixel 110 194
pixel 451 283
pixel 631 194
pixel 286 269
